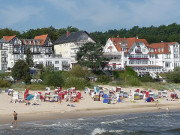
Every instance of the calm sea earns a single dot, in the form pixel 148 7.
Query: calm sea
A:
pixel 161 123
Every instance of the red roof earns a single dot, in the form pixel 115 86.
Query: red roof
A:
pixel 157 47
pixel 8 38
pixel 42 38
pixel 127 41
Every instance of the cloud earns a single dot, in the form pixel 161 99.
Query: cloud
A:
pixel 95 11
pixel 154 12
pixel 107 13
pixel 13 15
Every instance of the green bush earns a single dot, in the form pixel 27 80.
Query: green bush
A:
pixel 53 79
pixel 147 78
pixel 78 83
pixel 133 81
pixel 4 83
pixel 104 79
pixel 79 71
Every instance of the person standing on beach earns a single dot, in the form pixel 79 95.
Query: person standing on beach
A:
pixel 157 103
pixel 15 117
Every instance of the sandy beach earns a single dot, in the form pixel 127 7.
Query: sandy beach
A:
pixel 84 108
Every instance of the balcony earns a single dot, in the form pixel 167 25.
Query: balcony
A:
pixel 36 52
pixel 65 65
pixel 2 61
pixel 138 51
pixel 138 58
pixel 4 54
pixel 16 52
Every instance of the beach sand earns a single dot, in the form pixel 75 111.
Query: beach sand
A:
pixel 84 108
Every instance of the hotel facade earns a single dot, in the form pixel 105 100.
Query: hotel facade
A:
pixel 13 49
pixel 141 56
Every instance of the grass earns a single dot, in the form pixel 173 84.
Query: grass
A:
pixel 33 87
pixel 145 85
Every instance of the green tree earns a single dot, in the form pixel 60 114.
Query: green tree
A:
pixel 173 76
pixel 29 59
pixel 21 71
pixel 79 71
pixel 91 56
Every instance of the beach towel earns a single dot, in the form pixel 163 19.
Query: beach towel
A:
pixel 30 97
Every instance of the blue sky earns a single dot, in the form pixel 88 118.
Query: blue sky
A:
pixel 89 15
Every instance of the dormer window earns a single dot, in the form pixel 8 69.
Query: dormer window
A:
pixel 138 44
pixel 159 49
pixel 162 49
pixel 125 49
pixel 169 49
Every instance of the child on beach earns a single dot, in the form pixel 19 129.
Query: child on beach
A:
pixel 156 103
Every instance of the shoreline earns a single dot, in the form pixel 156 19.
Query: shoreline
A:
pixel 50 115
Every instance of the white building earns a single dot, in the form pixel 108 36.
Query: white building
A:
pixel 68 44
pixel 3 55
pixel 142 57
pixel 41 48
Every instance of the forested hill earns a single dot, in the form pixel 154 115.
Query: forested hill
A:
pixel 152 34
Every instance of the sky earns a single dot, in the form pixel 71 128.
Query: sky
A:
pixel 89 15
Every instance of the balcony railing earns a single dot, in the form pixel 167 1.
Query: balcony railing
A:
pixel 139 58
pixel 4 54
pixel 138 51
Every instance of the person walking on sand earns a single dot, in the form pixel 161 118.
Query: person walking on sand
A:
pixel 157 103
pixel 15 117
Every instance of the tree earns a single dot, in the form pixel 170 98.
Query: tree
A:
pixel 51 77
pixel 91 56
pixel 29 59
pixel 21 71
pixel 173 76
pixel 79 71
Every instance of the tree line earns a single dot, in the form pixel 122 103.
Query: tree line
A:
pixel 166 33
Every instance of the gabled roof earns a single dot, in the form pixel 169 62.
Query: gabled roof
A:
pixel 8 38
pixel 120 43
pixel 42 38
pixel 157 46
pixel 72 37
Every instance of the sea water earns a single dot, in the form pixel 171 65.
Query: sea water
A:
pixel 159 123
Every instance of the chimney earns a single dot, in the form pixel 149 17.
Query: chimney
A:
pixel 67 33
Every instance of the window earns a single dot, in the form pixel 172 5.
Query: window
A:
pixel 56 68
pixel 167 64
pixel 169 49
pixel 167 56
pixel 159 49
pixel 175 55
pixel 162 49
pixel 56 62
